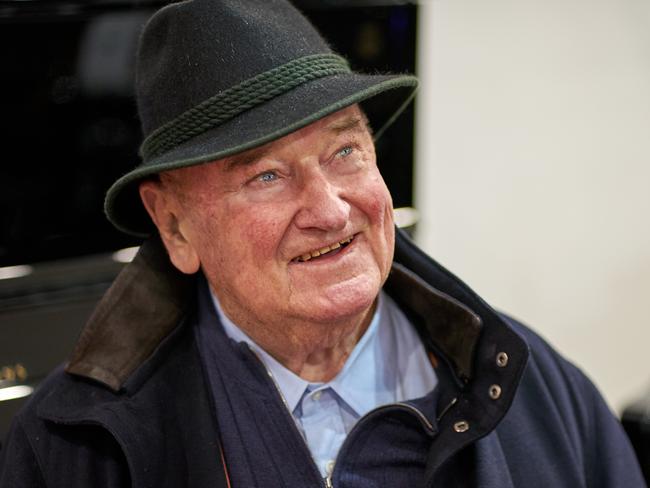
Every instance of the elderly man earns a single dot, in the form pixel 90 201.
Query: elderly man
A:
pixel 277 332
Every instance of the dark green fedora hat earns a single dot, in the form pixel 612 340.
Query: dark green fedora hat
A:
pixel 217 77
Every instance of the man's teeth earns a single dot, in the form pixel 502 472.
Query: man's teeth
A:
pixel 324 250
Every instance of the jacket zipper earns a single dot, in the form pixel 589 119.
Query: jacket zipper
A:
pixel 423 419
pixel 418 413
pixel 328 479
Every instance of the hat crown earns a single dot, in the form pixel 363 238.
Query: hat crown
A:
pixel 193 50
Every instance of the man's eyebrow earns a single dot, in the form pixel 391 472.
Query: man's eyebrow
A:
pixel 245 158
pixel 350 123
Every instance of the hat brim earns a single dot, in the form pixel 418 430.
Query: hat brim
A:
pixel 278 117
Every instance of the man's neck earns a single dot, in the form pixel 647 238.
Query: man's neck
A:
pixel 314 351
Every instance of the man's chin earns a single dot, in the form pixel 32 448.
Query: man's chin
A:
pixel 341 302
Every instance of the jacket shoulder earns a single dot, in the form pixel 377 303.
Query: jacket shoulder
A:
pixel 19 464
pixel 560 379
pixel 38 449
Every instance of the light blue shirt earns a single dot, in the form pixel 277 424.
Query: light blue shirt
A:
pixel 388 365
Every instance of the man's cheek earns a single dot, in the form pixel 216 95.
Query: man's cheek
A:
pixel 261 232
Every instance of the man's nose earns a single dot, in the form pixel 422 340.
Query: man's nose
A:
pixel 322 204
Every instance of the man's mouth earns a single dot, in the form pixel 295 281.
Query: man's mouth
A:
pixel 324 251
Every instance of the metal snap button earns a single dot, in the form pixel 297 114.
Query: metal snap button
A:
pixel 502 360
pixel 461 426
pixel 495 392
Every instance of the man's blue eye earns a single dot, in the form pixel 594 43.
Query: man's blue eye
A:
pixel 267 177
pixel 346 151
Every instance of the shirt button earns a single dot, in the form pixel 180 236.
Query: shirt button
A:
pixel 329 467
pixel 316 396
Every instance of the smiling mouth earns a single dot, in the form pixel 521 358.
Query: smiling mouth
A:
pixel 325 251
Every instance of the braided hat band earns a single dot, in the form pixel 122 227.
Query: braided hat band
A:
pixel 235 100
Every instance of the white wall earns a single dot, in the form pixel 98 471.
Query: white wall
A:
pixel 533 169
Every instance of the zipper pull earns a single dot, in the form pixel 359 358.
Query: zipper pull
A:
pixel 329 469
pixel 447 408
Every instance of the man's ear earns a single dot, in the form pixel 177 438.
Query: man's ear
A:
pixel 164 210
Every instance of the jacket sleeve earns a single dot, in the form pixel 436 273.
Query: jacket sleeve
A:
pixel 609 458
pixel 601 447
pixel 19 467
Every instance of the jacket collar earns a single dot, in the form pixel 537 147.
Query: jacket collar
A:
pixel 449 326
pixel 143 305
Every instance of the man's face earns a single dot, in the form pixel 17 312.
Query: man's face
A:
pixel 258 221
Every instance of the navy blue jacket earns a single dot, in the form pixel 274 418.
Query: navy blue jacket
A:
pixel 131 407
